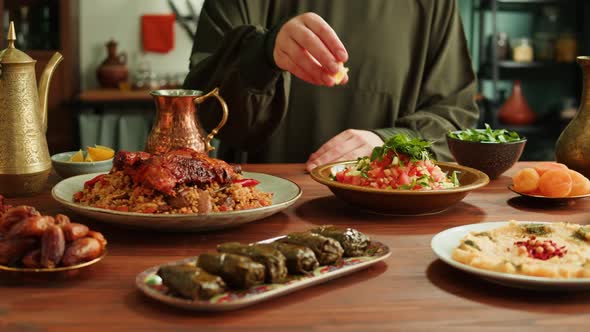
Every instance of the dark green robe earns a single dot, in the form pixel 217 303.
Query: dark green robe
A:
pixel 410 71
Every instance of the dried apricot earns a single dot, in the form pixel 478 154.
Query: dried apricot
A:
pixel 545 166
pixel 526 180
pixel 556 183
pixel 581 184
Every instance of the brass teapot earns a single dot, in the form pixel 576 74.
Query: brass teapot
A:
pixel 24 156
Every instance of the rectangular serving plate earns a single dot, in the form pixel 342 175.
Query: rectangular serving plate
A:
pixel 151 284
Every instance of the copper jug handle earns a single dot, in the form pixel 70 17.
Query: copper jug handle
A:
pixel 200 99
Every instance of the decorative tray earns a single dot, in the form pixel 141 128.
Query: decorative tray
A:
pixel 151 284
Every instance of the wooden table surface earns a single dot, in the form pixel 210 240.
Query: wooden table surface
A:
pixel 412 290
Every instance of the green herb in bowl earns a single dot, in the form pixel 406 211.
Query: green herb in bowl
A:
pixel 487 135
pixel 492 151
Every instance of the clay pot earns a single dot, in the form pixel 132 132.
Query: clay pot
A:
pixel 113 70
pixel 516 110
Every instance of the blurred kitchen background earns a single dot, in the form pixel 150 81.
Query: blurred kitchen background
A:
pixel 116 51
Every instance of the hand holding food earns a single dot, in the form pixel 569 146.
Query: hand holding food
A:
pixel 552 180
pixel 28 239
pixel 309 48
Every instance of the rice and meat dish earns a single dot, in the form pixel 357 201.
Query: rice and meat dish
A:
pixel 180 181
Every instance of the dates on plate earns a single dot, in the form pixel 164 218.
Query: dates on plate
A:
pixel 82 250
pixel 31 240
pixel 53 246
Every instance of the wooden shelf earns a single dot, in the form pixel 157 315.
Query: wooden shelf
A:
pixel 114 96
pixel 522 4
pixel 100 100
pixel 511 70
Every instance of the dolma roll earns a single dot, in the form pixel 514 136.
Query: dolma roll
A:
pixel 191 282
pixel 237 271
pixel 300 259
pixel 326 250
pixel 271 258
pixel 352 241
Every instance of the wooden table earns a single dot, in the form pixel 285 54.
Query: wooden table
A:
pixel 411 290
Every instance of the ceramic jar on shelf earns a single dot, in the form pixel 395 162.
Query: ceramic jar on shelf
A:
pixel 113 72
pixel 516 110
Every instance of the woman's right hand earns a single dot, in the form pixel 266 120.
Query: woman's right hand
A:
pixel 308 48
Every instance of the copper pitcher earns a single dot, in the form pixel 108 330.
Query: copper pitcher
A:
pixel 176 124
pixel 24 155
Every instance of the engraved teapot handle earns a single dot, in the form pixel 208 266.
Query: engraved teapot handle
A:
pixel 200 99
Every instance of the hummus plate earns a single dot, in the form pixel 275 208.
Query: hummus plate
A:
pixel 444 244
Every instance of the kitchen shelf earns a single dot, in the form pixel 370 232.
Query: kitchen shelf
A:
pixel 532 129
pixel 100 99
pixel 522 4
pixel 539 70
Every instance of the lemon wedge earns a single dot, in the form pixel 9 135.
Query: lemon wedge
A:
pixel 339 76
pixel 88 159
pixel 77 157
pixel 106 148
pixel 100 153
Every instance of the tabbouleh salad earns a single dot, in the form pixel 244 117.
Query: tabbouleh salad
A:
pixel 401 163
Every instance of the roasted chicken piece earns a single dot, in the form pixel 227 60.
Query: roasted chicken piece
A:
pixel 129 161
pixel 183 166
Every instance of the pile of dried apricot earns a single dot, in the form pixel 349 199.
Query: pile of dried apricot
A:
pixel 552 180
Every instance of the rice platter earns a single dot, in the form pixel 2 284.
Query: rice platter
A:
pixel 179 182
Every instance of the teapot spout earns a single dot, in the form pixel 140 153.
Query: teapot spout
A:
pixel 44 86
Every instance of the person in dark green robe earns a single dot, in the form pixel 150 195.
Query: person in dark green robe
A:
pixel 409 72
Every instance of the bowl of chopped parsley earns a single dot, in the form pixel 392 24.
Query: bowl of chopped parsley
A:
pixel 492 151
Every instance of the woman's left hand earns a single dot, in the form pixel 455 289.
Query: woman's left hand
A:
pixel 348 145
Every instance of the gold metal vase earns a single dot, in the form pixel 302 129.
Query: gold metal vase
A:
pixel 573 145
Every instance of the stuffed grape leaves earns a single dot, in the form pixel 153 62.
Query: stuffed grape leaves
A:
pixel 326 250
pixel 237 271
pixel 352 241
pixel 271 258
pixel 300 259
pixel 191 282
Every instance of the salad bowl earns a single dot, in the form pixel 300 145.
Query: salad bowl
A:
pixel 401 201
